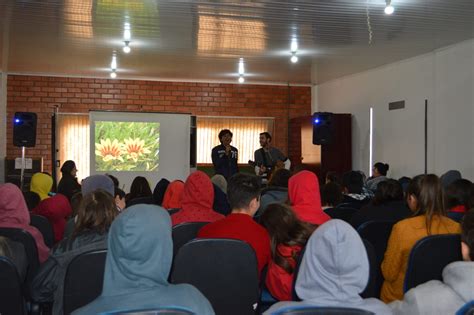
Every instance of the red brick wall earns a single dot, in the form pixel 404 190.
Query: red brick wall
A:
pixel 41 94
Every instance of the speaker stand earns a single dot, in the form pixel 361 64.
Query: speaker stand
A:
pixel 22 174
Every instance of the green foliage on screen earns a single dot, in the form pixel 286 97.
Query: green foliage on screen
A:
pixel 127 146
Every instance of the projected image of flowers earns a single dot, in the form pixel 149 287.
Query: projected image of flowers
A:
pixel 127 146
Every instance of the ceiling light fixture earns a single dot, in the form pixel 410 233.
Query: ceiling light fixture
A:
pixel 241 67
pixel 127 36
pixel 294 58
pixel 389 9
pixel 241 79
pixel 294 49
pixel 113 74
pixel 113 64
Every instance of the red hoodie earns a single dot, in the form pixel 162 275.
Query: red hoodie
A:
pixel 303 192
pixel 172 198
pixel 196 201
pixel 55 209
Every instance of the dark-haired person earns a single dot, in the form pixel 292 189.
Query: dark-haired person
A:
pixel 243 192
pixel 353 190
pixel 457 195
pixel 267 158
pixel 331 195
pixel 140 189
pixel 456 288
pixel 224 156
pixel 276 191
pixel 288 236
pixel 68 184
pixel 95 216
pixel 387 205
pixel 425 198
pixel 379 174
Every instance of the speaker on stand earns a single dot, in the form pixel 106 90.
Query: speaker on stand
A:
pixel 24 135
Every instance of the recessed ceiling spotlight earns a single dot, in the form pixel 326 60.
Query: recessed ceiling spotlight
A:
pixel 294 58
pixel 241 79
pixel 113 74
pixel 389 9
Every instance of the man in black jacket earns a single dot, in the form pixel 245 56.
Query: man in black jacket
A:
pixel 225 156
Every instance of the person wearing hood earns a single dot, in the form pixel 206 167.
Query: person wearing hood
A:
pixel 56 209
pixel 159 191
pixel 95 215
pixel 41 184
pixel 68 184
pixel 172 198
pixel 379 174
pixel 138 263
pixel 456 288
pixel 334 271
pixel 196 201
pixel 353 189
pixel 303 192
pixel 14 214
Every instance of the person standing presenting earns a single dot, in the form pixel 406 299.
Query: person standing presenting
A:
pixel 225 156
pixel 267 158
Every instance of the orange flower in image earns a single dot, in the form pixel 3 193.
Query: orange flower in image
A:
pixel 134 148
pixel 108 150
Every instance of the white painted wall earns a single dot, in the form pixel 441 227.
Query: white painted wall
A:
pixel 445 78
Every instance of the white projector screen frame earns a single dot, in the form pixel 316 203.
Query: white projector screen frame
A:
pixel 174 147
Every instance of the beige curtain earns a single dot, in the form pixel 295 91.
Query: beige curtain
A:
pixel 72 142
pixel 245 135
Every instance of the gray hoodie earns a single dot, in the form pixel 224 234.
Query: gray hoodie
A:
pixel 440 297
pixel 138 264
pixel 334 270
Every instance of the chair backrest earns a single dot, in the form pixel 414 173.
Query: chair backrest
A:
pixel 342 213
pixel 224 270
pixel 184 232
pixel 45 227
pixel 370 289
pixel 317 310
pixel 173 211
pixel 83 280
pixel 158 311
pixel 11 295
pixel 377 233
pixel 295 296
pixel 28 242
pixel 429 256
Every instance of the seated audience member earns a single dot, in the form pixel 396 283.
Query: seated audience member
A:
pixel 140 251
pixel 159 191
pixel 404 181
pixel 243 192
pixel 95 216
pixel 119 197
pixel 220 182
pixel 352 187
pixel 115 180
pixel 303 193
pixel 457 195
pixel 379 174
pixel 221 204
pixel 331 177
pixel 331 195
pixel 15 251
pixel 456 289
pixel 76 200
pixel 449 177
pixel 94 182
pixel 41 184
pixel 172 198
pixel 387 205
pixel 68 184
pixel 425 199
pixel 334 271
pixel 288 236
pixel 196 201
pixel 32 199
pixel 140 188
pixel 277 190
pixel 56 209
pixel 14 214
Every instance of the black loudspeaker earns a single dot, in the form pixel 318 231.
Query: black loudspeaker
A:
pixel 24 129
pixel 193 143
pixel 323 128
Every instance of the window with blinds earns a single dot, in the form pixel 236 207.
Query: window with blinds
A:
pixel 246 131
pixel 72 142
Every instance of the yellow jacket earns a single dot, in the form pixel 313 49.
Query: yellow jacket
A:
pixel 402 239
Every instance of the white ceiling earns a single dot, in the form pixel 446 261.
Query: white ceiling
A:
pixel 203 40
